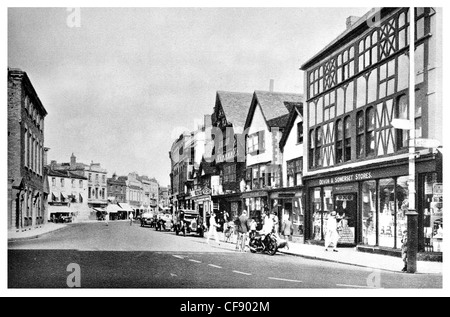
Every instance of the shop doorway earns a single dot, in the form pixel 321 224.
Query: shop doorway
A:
pixel 346 207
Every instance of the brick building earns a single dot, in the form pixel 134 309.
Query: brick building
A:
pixel 27 184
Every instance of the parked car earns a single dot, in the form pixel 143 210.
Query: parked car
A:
pixel 189 221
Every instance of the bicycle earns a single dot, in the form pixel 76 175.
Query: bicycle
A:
pixel 229 232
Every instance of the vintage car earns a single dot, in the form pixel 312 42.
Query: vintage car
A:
pixel 188 221
pixel 164 222
pixel 147 219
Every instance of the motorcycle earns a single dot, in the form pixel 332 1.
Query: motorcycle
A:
pixel 268 245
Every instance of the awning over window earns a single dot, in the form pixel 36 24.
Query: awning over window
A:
pixel 59 209
pixel 125 207
pixel 99 209
pixel 114 208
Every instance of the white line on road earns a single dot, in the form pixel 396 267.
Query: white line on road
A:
pixel 238 272
pixel 178 256
pixel 357 286
pixel 284 279
pixel 195 261
pixel 219 267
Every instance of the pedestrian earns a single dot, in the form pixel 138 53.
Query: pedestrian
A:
pixel 405 250
pixel 276 223
pixel 106 217
pixel 331 235
pixel 252 228
pixel 242 228
pixel 287 229
pixel 225 223
pixel 212 228
pixel 131 218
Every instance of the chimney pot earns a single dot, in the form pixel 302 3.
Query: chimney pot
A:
pixel 271 85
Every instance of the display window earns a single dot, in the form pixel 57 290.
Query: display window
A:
pixel 387 212
pixel 369 213
pixel 432 213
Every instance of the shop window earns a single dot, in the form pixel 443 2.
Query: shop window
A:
pixel 386 209
pixel 402 205
pixel 432 213
pixel 369 214
pixel 317 220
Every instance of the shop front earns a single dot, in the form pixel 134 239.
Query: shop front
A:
pixel 373 202
pixel 288 203
pixel 256 202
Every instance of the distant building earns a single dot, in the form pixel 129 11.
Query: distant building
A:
pixel 96 182
pixel 27 183
pixel 68 195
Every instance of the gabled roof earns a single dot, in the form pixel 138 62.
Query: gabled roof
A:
pixel 275 107
pixel 294 113
pixel 235 105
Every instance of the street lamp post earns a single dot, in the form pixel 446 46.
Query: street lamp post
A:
pixel 412 215
pixel 409 124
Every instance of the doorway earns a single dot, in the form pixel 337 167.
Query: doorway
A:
pixel 346 208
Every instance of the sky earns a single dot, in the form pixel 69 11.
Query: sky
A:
pixel 121 84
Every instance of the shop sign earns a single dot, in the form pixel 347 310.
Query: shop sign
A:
pixel 254 194
pixel 227 157
pixel 438 190
pixel 206 191
pixel 345 178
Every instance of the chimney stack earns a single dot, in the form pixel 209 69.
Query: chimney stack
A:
pixel 46 149
pixel 351 20
pixel 271 85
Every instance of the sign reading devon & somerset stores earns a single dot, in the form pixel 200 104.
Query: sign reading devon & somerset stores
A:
pixel 360 176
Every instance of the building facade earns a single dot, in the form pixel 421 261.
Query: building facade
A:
pixel 228 120
pixel 68 195
pixel 288 200
pixel 266 120
pixel 97 198
pixel 27 191
pixel 356 162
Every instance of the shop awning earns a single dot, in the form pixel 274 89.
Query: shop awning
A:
pixel 59 209
pixel 99 209
pixel 113 208
pixel 125 207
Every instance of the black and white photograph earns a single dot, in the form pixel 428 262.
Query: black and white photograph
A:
pixel 224 149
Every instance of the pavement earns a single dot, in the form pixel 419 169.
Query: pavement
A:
pixel 348 256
